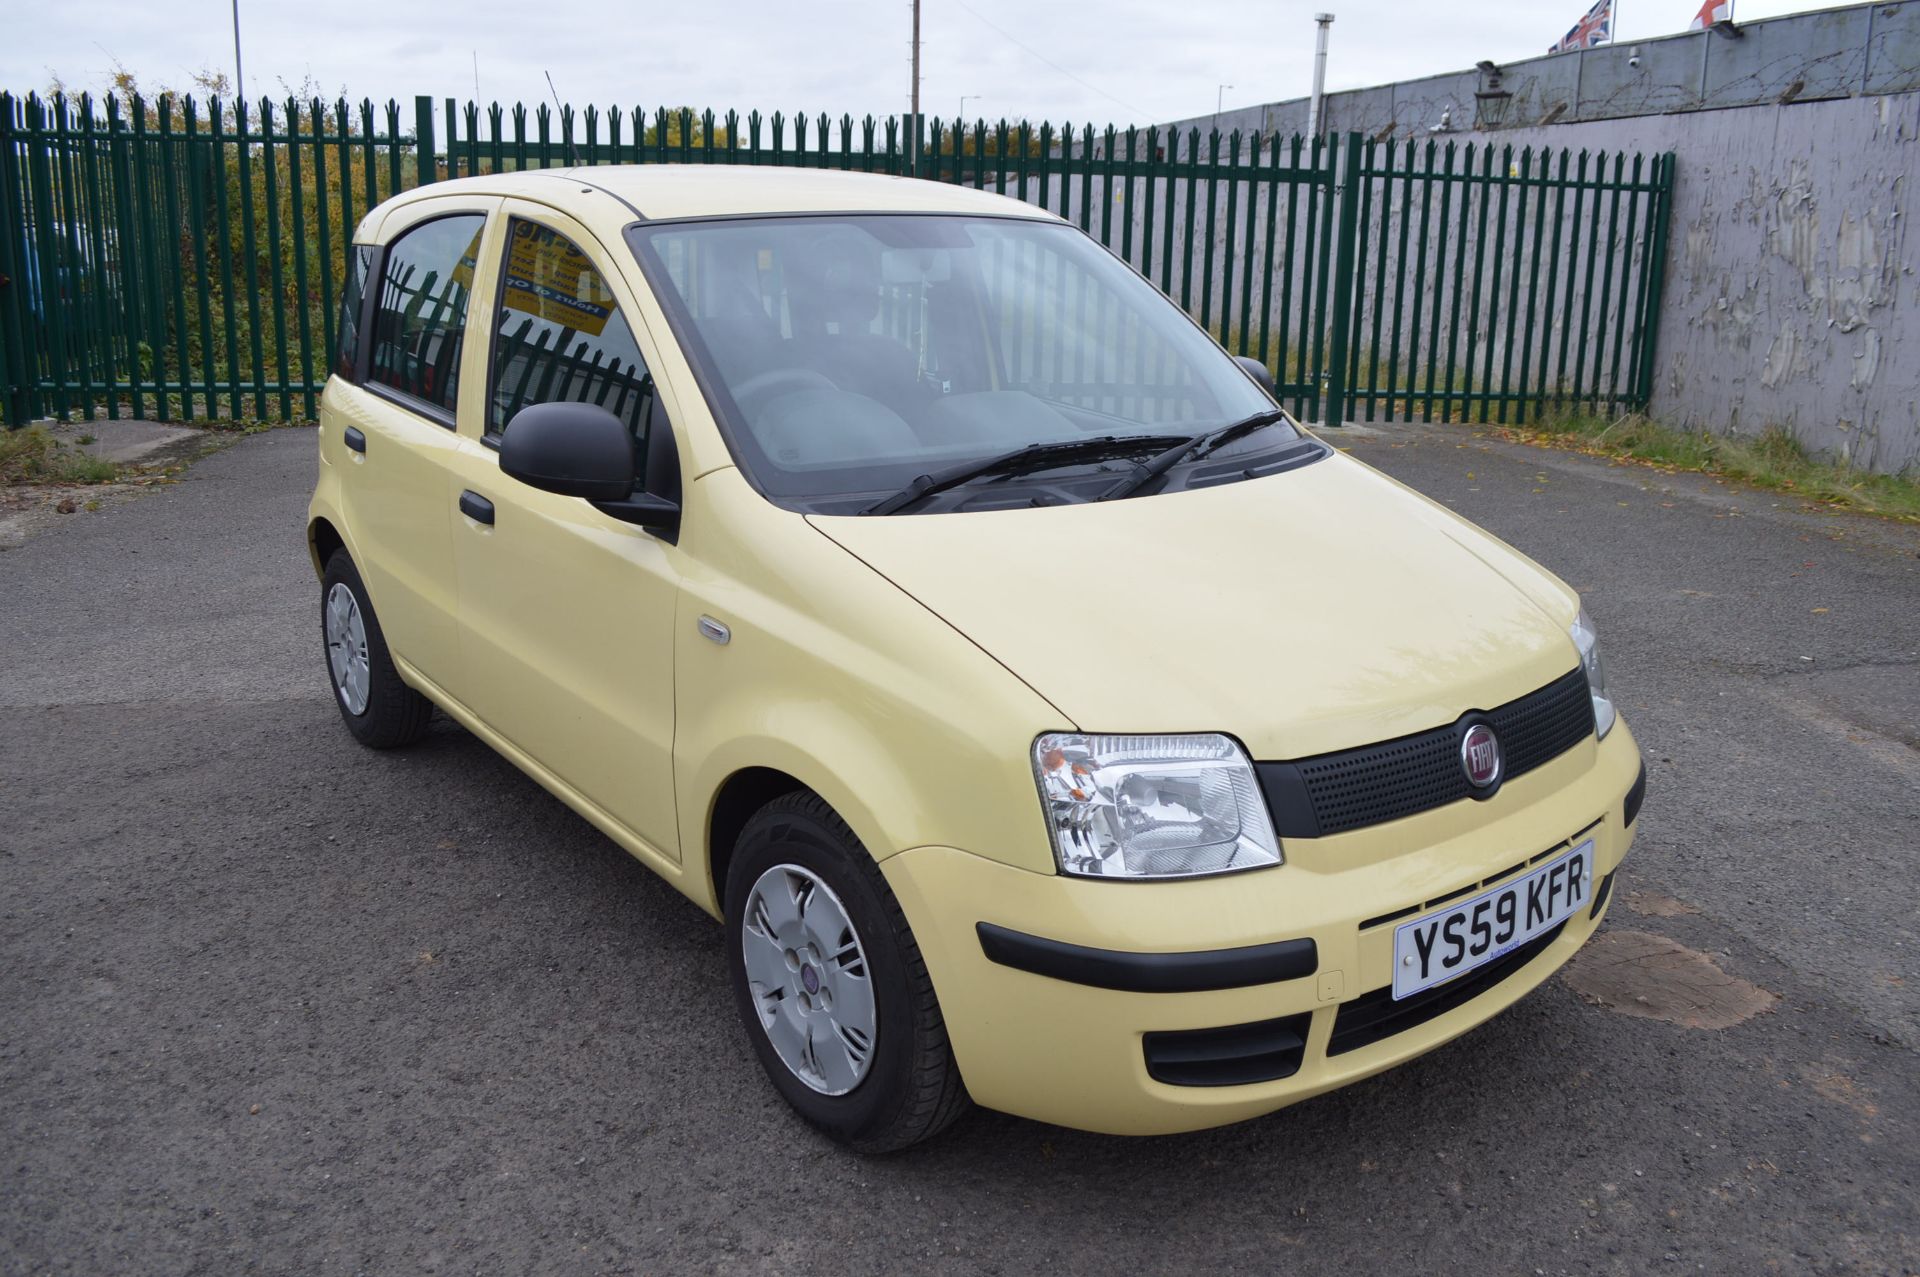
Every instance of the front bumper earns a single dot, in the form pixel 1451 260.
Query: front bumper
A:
pixel 1088 1046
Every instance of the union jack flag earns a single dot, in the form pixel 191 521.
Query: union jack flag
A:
pixel 1595 28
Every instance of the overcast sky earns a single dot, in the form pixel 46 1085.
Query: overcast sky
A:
pixel 1120 61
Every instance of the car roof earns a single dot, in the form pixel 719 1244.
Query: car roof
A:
pixel 660 192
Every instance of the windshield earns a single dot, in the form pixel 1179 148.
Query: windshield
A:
pixel 847 355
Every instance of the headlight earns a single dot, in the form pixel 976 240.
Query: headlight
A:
pixel 1152 806
pixel 1588 642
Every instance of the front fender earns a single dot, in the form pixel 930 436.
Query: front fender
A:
pixel 836 677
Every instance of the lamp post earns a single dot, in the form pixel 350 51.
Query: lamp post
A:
pixel 1318 101
pixel 913 148
pixel 239 75
pixel 964 99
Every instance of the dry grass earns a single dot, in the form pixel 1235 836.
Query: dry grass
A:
pixel 1773 459
pixel 32 455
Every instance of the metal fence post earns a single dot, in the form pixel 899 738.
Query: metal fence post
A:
pixel 425 168
pixel 1342 283
pixel 1654 267
pixel 16 362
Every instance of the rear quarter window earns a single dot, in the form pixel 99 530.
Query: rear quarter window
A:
pixel 346 353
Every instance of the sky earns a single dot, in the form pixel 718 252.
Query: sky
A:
pixel 1122 61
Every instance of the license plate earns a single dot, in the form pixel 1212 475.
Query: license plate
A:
pixel 1455 940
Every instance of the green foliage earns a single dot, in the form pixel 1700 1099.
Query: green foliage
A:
pixel 685 125
pixel 176 237
pixel 998 140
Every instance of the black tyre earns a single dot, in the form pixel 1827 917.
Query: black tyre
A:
pixel 831 985
pixel 379 709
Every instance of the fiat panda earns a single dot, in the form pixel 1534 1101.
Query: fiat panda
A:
pixel 1052 722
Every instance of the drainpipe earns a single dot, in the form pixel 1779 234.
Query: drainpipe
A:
pixel 1314 105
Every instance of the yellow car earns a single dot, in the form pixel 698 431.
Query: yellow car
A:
pixel 1050 719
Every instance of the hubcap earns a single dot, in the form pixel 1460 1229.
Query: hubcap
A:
pixel 347 648
pixel 808 976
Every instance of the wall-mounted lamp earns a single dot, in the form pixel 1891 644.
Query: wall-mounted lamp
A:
pixel 1491 99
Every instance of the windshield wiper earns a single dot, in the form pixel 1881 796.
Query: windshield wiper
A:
pixel 1035 456
pixel 1198 446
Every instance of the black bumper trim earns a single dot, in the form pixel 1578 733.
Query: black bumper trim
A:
pixel 1236 1055
pixel 1636 796
pixel 1600 896
pixel 1195 972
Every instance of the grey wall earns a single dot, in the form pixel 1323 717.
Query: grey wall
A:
pixel 1834 53
pixel 1791 294
pixel 1791 290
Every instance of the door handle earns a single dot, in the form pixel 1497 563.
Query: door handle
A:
pixel 476 507
pixel 356 441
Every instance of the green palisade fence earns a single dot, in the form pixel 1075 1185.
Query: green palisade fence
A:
pixel 179 260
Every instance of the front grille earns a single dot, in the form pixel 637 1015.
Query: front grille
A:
pixel 1373 1016
pixel 1333 793
pixel 1232 1056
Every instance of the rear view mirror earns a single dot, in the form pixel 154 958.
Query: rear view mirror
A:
pixel 1256 370
pixel 583 450
pixel 574 449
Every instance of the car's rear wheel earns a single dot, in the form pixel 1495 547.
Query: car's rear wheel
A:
pixel 377 706
pixel 831 985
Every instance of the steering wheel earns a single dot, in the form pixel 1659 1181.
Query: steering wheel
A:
pixel 762 383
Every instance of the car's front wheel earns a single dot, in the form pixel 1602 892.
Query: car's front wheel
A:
pixel 831 985
pixel 378 707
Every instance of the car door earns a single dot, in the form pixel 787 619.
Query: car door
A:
pixel 399 425
pixel 566 613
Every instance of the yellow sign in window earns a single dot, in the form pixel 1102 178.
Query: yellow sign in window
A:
pixel 549 278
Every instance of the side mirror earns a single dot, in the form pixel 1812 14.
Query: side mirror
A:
pixel 574 449
pixel 1256 370
pixel 583 450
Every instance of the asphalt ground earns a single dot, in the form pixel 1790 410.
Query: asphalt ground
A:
pixel 273 1003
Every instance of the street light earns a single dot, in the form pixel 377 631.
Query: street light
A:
pixel 964 99
pixel 1317 102
pixel 1219 98
pixel 239 74
pixel 1491 98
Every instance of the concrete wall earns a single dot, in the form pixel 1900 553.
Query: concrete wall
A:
pixel 1834 53
pixel 1791 289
